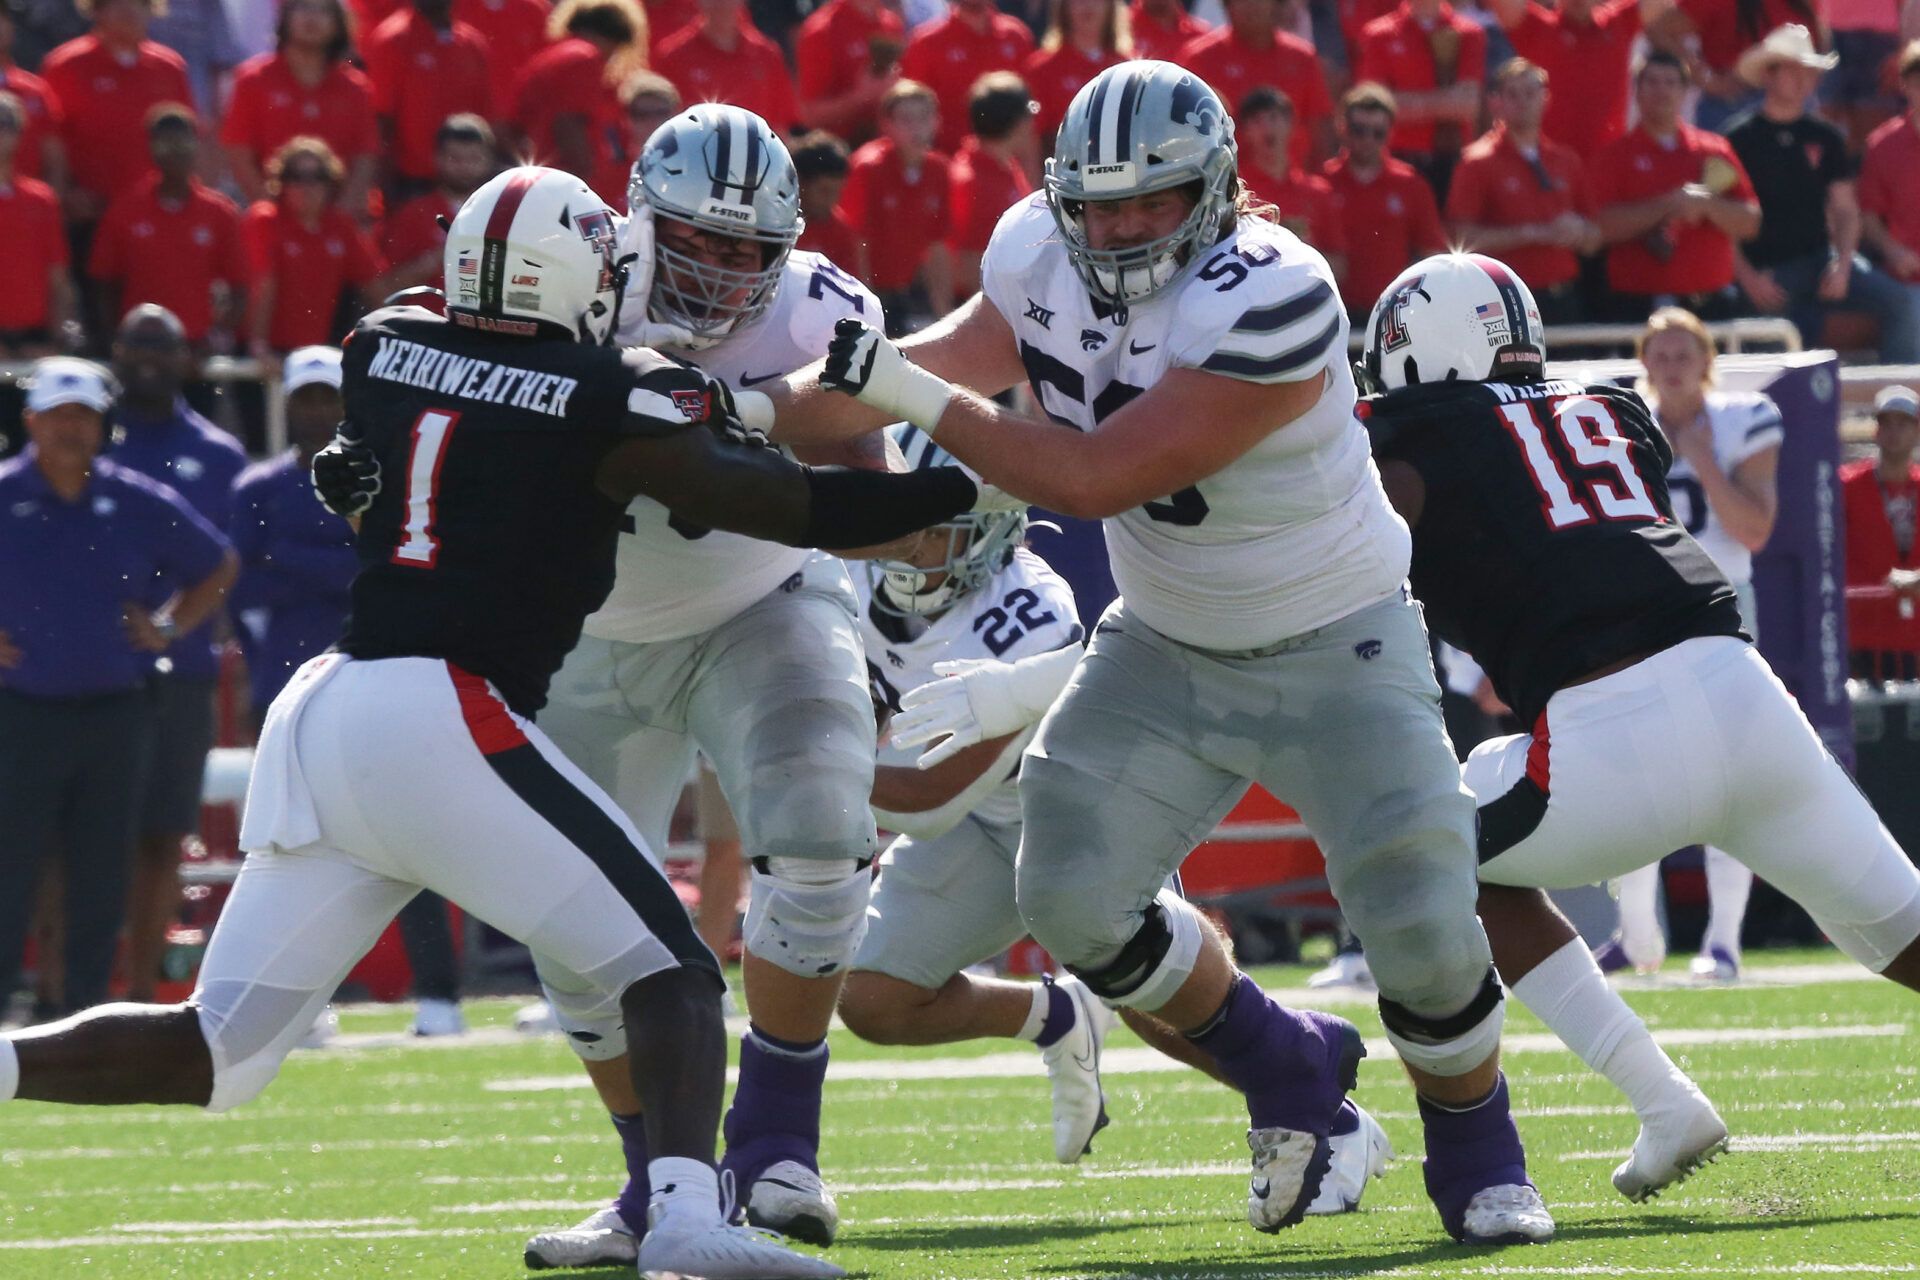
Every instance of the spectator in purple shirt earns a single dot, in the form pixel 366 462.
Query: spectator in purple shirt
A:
pixel 80 540
pixel 157 434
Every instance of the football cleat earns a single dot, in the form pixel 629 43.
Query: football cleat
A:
pixel 1348 969
pixel 1674 1142
pixel 603 1240
pixel 536 1019
pixel 718 1251
pixel 1512 1213
pixel 1289 1166
pixel 1357 1157
pixel 1717 965
pixel 790 1198
pixel 438 1018
pixel 1073 1065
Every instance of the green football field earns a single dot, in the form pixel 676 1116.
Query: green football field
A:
pixel 384 1157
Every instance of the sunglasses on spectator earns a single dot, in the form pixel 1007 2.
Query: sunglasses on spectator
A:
pixel 305 176
pixel 1367 130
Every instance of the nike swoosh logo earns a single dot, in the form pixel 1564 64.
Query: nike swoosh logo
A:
pixel 765 377
pixel 1135 349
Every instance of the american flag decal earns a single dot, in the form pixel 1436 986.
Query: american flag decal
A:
pixel 1487 310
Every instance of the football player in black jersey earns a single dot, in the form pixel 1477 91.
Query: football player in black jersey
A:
pixel 496 450
pixel 1545 546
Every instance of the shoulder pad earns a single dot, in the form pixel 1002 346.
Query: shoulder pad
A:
pixel 1020 237
pixel 1261 307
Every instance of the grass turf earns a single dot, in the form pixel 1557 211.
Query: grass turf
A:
pixel 438 1160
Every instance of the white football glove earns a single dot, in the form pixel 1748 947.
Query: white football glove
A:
pixel 637 327
pixel 978 699
pixel 864 363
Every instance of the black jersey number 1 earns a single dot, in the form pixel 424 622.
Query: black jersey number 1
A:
pixel 1601 461
pixel 419 545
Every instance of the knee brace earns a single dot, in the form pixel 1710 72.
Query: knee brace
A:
pixel 1155 962
pixel 590 1018
pixel 1455 1044
pixel 808 915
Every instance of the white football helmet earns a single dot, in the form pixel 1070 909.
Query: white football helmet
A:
pixel 1455 317
pixel 534 246
pixel 979 544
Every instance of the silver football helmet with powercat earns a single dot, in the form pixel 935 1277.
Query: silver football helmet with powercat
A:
pixel 978 545
pixel 1134 129
pixel 721 169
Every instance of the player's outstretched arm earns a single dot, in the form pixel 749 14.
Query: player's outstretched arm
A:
pixel 973 347
pixel 1178 432
pixel 713 482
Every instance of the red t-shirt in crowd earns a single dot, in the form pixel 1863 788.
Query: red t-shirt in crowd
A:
pixel 1873 548
pixel 44 118
pixel 1723 39
pixel 413 229
pixel 832 236
pixel 895 212
pixel 421 75
pixel 312 268
pixel 1699 256
pixel 570 78
pixel 665 19
pixel 752 74
pixel 1354 17
pixel 170 252
pixel 269 107
pixel 368 14
pixel 1391 222
pixel 1159 41
pixel 1288 64
pixel 1494 185
pixel 983 187
pixel 1053 76
pixel 833 49
pixel 1890 181
pixel 104 100
pixel 515 32
pixel 947 56
pixel 1305 202
pixel 1398 51
pixel 1588 66
pixel 36 238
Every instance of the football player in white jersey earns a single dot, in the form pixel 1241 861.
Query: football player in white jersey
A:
pixel 1192 357
pixel 746 650
pixel 1726 450
pixel 968 597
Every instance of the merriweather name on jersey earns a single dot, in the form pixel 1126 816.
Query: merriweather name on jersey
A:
pixel 674 579
pixel 1025 609
pixel 1291 536
pixel 470 378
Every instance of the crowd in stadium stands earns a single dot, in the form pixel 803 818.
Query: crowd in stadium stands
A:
pixel 186 177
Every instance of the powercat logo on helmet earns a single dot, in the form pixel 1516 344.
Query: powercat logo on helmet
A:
pixel 1191 104
pixel 1393 319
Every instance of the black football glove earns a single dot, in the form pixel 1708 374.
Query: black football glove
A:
pixel 346 476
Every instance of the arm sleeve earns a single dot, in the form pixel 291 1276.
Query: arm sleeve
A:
pixel 1286 326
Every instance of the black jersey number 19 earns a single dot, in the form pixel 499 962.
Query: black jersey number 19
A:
pixel 1584 434
pixel 419 545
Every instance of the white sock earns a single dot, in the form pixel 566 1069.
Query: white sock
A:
pixel 1728 885
pixel 1640 935
pixel 685 1191
pixel 1036 1015
pixel 9 1071
pixel 1568 992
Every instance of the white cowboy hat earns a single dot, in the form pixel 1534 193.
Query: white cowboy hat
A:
pixel 1790 43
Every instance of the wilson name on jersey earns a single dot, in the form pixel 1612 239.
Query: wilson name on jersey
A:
pixel 490 541
pixel 1547 547
pixel 1294 534
pixel 1024 609
pixel 1743 423
pixel 676 579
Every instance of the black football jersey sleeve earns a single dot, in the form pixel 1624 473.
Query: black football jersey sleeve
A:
pixel 1547 546
pixel 490 541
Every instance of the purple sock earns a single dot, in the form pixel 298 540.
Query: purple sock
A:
pixel 776 1107
pixel 1060 1014
pixel 1294 1067
pixel 1470 1150
pixel 632 1200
